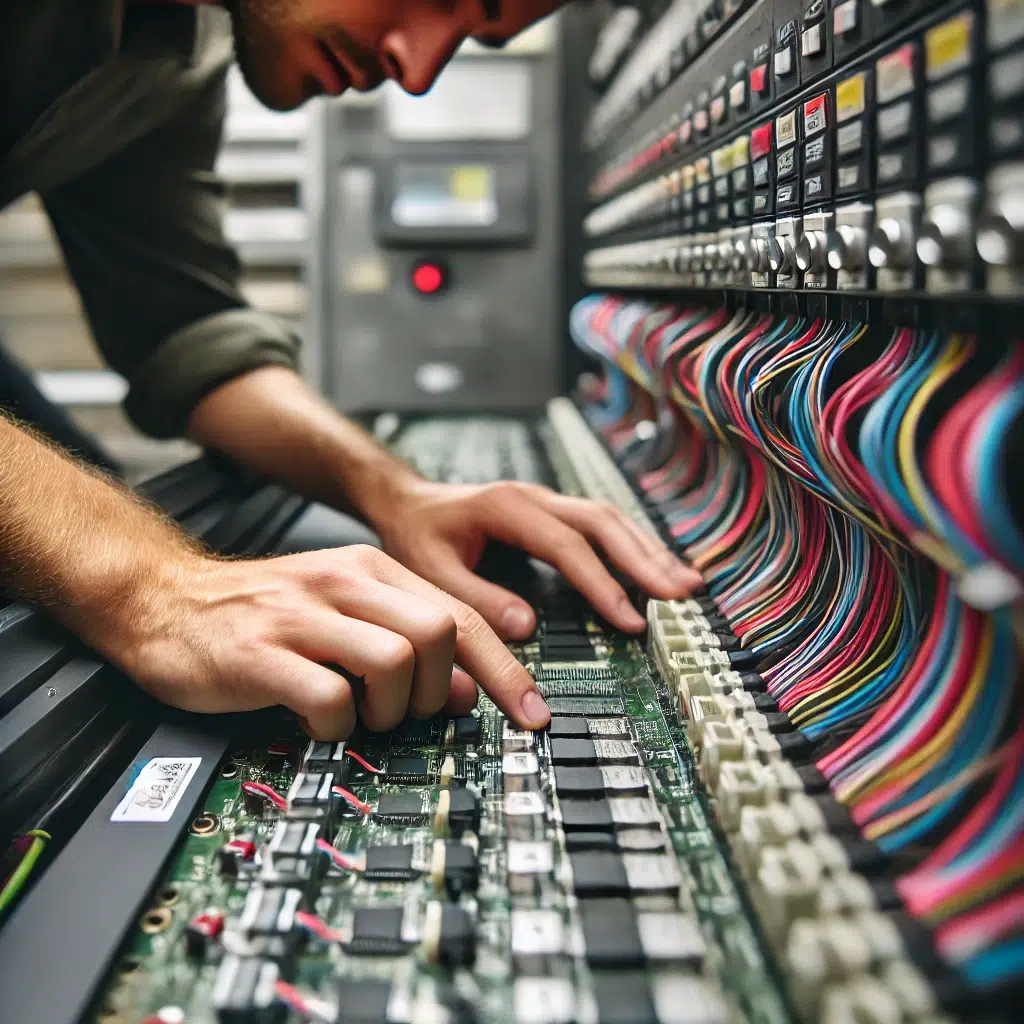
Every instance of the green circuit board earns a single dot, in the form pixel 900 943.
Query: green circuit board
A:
pixel 166 973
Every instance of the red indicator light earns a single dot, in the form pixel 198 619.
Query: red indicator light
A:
pixel 428 278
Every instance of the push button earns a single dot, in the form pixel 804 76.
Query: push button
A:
pixel 759 80
pixel 816 115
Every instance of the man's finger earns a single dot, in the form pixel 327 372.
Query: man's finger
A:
pixel 478 649
pixel 383 659
pixel 321 698
pixel 462 694
pixel 506 613
pixel 428 626
pixel 638 554
pixel 515 519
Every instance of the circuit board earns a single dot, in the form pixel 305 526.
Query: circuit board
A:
pixel 461 870
pixel 490 875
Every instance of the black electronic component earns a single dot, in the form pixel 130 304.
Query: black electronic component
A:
pixel 290 854
pixel 593 781
pixel 243 992
pixel 590 841
pixel 463 811
pixel 323 757
pixel 573 751
pixel 467 729
pixel 403 808
pixel 586 815
pixel 363 1001
pixel 569 728
pixel 377 931
pixel 449 936
pixel 598 874
pixel 310 794
pixel 610 933
pixel 412 768
pixel 623 997
pixel 269 911
pixel 389 864
pixel 234 854
pixel 416 730
pixel 459 868
pixel 202 930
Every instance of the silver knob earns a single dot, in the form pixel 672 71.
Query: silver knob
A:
pixel 810 252
pixel 891 244
pixel 780 254
pixel 1001 232
pixel 846 247
pixel 741 252
pixel 759 255
pixel 945 237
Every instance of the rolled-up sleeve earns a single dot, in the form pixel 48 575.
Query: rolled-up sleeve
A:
pixel 143 239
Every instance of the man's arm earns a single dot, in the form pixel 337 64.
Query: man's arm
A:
pixel 208 634
pixel 270 421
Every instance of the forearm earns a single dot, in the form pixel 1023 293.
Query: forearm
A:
pixel 270 421
pixel 72 540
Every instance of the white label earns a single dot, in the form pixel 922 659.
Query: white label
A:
pixel 537 932
pixel 527 857
pixel 844 17
pixel 520 764
pixel 785 129
pixel 524 803
pixel 158 790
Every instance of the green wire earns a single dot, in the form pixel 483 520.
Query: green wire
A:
pixel 17 881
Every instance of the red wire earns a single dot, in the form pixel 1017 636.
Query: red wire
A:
pixel 362 760
pixel 262 789
pixel 351 798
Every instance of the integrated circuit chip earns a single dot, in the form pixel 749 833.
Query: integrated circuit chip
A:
pixel 404 808
pixel 589 751
pixel 412 768
pixel 589 728
pixel 610 933
pixel 586 706
pixel 363 1001
pixel 571 781
pixel 377 931
pixel 390 864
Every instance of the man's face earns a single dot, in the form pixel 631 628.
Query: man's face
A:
pixel 290 50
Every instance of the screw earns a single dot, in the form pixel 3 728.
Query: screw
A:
pixel 52 691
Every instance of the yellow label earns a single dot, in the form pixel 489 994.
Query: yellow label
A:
pixel 947 47
pixel 703 169
pixel 721 161
pixel 850 97
pixel 471 183
pixel 741 151
pixel 688 176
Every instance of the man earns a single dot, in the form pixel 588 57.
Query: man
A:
pixel 112 112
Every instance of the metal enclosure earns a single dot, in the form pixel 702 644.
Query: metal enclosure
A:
pixel 467 180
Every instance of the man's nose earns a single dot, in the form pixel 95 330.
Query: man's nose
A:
pixel 415 56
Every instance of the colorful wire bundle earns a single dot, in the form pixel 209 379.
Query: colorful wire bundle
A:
pixel 805 467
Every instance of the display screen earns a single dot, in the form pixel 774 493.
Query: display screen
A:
pixel 431 195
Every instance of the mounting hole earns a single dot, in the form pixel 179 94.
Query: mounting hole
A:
pixel 229 771
pixel 129 966
pixel 168 897
pixel 156 921
pixel 204 825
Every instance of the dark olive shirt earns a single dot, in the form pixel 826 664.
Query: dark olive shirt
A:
pixel 113 114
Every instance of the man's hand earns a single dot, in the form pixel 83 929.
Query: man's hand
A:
pixel 270 421
pixel 229 636
pixel 207 634
pixel 440 531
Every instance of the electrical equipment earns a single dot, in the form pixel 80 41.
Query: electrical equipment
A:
pixel 858 144
pixel 443 237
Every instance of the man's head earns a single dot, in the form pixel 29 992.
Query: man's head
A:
pixel 290 50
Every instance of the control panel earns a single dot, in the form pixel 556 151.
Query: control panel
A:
pixel 871 146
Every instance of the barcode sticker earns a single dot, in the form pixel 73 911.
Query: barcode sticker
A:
pixel 157 790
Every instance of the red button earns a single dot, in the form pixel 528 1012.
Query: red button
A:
pixel 428 278
pixel 759 79
pixel 761 141
pixel 815 115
